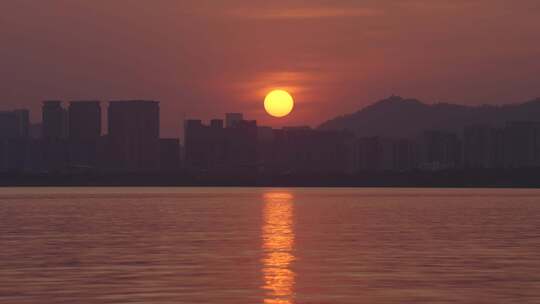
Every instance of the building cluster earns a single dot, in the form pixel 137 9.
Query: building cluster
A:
pixel 240 145
pixel 71 140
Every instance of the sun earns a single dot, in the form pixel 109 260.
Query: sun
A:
pixel 278 103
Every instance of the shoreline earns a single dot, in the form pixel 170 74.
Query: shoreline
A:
pixel 481 178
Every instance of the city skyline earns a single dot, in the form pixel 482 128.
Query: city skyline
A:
pixel 334 57
pixel 71 141
pixel 182 118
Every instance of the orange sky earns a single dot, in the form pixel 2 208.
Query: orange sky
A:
pixel 203 58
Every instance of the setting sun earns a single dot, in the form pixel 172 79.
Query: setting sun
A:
pixel 278 103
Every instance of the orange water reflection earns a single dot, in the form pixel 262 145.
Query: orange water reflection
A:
pixel 278 246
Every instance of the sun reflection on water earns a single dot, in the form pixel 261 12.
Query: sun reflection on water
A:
pixel 278 246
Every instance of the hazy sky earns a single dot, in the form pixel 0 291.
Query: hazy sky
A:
pixel 202 58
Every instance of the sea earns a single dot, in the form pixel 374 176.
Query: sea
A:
pixel 269 245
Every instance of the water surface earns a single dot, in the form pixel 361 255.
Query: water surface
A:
pixel 264 245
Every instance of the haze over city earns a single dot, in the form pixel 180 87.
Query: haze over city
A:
pixel 204 58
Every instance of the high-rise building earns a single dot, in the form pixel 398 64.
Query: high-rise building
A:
pixel 13 139
pixel 169 154
pixel 133 137
pixel 54 122
pixel 522 144
pixel 440 150
pixel 241 146
pixel 84 120
pixel 84 133
pixel 482 147
pixel 8 125
pixel 14 124
pixel 232 118
pixel 373 154
pixel 193 132
pixel 216 123
pixel 404 154
pixel 221 150
pixel 305 150
pixel 205 145
pixel 23 122
pixel 265 146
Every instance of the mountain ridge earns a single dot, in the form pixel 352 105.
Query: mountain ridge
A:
pixel 398 117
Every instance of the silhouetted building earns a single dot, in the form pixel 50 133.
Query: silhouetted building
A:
pixel 14 124
pixel 55 154
pixel 169 154
pixel 54 120
pixel 14 139
pixel 214 148
pixel 304 150
pixel 497 148
pixel 233 118
pixel 265 147
pixel 404 155
pixel 483 147
pixel 133 138
pixel 54 146
pixel 84 120
pixel 216 123
pixel 205 145
pixel 23 122
pixel 440 150
pixel 241 146
pixel 35 131
pixel 84 133
pixel 13 154
pixel 522 144
pixel 373 154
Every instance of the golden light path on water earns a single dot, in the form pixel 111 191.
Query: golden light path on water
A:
pixel 278 247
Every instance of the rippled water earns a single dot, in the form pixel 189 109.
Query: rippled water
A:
pixel 236 245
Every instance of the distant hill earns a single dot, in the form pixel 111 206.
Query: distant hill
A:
pixel 398 117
